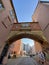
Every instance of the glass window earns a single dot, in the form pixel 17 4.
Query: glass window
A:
pixel 25 25
pixel 45 1
pixel 12 14
pixel 1 5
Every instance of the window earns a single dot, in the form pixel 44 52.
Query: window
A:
pixel 25 25
pixel 4 25
pixel 12 14
pixel 1 5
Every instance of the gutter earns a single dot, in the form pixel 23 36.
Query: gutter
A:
pixel 44 1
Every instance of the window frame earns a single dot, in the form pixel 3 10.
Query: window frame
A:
pixel 1 5
pixel 12 14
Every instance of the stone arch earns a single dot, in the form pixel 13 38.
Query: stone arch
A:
pixel 25 35
pixel 16 37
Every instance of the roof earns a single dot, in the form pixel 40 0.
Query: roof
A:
pixel 45 2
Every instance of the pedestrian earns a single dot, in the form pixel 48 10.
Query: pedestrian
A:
pixel 44 55
pixel 42 58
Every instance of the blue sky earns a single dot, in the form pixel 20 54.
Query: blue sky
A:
pixel 44 0
pixel 28 41
pixel 25 9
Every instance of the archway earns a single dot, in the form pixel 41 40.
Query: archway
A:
pixel 23 30
pixel 16 37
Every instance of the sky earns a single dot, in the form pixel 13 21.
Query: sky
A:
pixel 44 0
pixel 24 10
pixel 28 41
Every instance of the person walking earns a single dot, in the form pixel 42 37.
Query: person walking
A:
pixel 42 58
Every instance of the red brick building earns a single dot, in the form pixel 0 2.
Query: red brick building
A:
pixel 16 47
pixel 37 46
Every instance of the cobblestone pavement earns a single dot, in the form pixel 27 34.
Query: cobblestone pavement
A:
pixel 22 61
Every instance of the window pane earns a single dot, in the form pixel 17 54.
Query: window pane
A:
pixel 1 5
pixel 12 14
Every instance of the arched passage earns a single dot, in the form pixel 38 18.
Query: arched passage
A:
pixel 23 30
pixel 16 37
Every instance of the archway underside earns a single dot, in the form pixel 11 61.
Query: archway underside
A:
pixel 36 35
pixel 23 30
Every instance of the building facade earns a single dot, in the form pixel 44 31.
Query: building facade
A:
pixel 37 46
pixel 7 18
pixel 41 15
pixel 16 47
pixel 26 47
